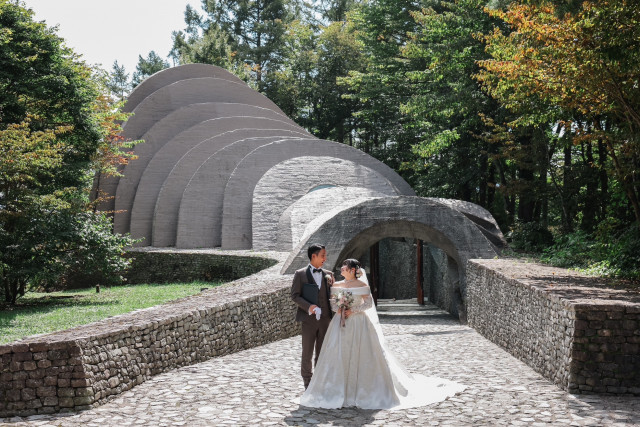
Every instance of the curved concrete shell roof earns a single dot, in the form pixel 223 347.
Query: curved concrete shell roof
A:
pixel 216 132
pixel 157 158
pixel 167 99
pixel 171 125
pixel 236 217
pixel 202 199
pixel 349 232
pixel 168 202
pixel 288 181
pixel 171 75
pixel 482 217
pixel 298 219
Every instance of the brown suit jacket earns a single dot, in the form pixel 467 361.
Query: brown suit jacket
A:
pixel 301 277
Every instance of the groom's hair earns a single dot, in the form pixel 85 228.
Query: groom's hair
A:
pixel 314 249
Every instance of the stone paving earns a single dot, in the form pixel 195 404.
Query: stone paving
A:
pixel 256 387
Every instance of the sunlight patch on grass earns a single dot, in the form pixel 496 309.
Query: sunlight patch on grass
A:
pixel 39 313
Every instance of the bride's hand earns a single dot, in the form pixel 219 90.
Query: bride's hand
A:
pixel 347 313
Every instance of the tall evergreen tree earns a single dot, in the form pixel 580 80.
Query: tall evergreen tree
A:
pixel 147 67
pixel 118 82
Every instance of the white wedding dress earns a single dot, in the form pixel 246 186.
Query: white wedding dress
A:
pixel 355 368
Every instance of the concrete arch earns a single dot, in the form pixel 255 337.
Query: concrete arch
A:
pixel 202 199
pixel 296 218
pixel 286 182
pixel 165 217
pixel 350 232
pixel 167 99
pixel 171 75
pixel 481 217
pixel 171 125
pixel 236 219
pixel 186 121
pixel 142 198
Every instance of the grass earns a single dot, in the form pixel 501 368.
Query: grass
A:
pixel 39 313
pixel 632 285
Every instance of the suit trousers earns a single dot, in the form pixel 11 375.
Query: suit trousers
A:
pixel 313 332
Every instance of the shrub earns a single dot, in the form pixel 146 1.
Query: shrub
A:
pixel 530 237
pixel 607 252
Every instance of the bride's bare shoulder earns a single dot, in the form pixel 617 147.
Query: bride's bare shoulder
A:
pixel 339 284
pixel 358 284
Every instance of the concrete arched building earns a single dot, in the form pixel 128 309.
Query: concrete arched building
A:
pixel 222 166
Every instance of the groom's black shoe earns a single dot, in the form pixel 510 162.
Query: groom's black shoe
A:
pixel 306 384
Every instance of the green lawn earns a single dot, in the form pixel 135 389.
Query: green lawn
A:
pixel 38 313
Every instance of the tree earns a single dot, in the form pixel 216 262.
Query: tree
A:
pixel 446 105
pixel 212 47
pixel 118 82
pixel 50 137
pixel 305 86
pixel 147 67
pixel 380 87
pixel 584 66
pixel 252 30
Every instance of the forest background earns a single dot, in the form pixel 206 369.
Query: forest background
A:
pixel 530 109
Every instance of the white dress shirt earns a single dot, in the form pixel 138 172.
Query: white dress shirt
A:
pixel 317 276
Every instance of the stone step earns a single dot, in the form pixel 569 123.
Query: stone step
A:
pixel 404 308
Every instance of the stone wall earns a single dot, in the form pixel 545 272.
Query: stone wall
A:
pixel 570 328
pixel 87 365
pixel 153 265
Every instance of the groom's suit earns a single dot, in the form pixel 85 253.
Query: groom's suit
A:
pixel 303 293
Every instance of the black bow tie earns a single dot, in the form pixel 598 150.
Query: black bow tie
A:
pixel 317 270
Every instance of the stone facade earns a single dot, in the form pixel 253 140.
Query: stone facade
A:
pixel 576 332
pixel 87 365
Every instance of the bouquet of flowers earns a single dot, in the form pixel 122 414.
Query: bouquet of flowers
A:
pixel 344 301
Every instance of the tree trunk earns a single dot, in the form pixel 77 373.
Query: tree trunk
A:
pixel 604 180
pixel 628 186
pixel 527 197
pixel 491 185
pixel 591 206
pixel 567 190
pixel 482 197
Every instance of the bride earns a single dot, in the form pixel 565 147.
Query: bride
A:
pixel 355 368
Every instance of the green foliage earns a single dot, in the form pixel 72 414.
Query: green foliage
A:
pixel 246 37
pixel 607 252
pixel 147 67
pixel 212 47
pixel 39 313
pixel 118 83
pixel 54 127
pixel 576 70
pixel 41 78
pixel 530 237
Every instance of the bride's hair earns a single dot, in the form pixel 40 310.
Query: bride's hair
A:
pixel 353 263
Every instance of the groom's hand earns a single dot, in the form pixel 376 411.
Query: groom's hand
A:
pixel 313 307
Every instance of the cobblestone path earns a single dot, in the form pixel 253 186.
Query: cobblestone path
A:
pixel 255 387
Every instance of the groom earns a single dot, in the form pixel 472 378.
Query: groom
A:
pixel 310 291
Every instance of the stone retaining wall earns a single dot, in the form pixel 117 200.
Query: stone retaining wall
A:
pixel 153 265
pixel 87 365
pixel 568 327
